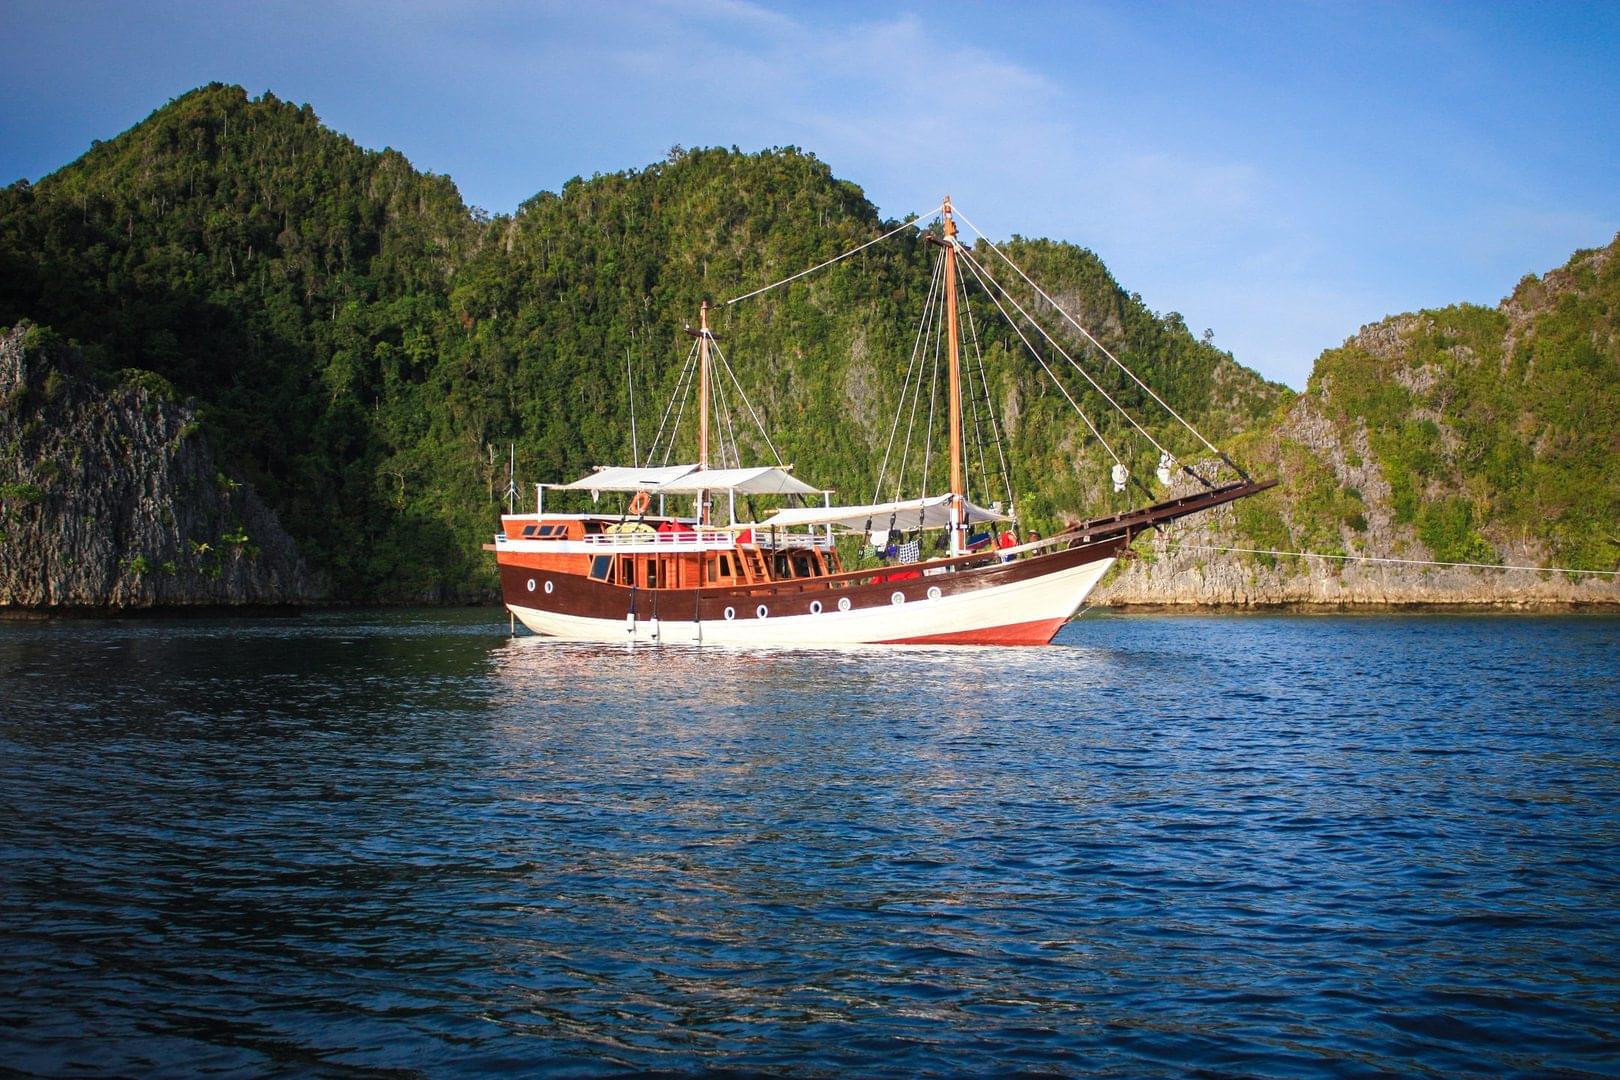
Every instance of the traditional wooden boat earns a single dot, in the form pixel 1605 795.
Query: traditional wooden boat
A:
pixel 643 574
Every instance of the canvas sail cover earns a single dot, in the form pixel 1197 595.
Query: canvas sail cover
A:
pixel 689 480
pixel 764 480
pixel 932 512
pixel 626 478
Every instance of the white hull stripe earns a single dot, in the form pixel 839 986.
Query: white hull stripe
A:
pixel 1050 596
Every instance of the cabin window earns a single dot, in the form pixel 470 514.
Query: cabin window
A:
pixel 554 530
pixel 528 530
pixel 652 573
pixel 600 567
pixel 627 571
pixel 725 566
pixel 801 566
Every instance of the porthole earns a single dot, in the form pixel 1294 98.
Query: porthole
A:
pixel 933 592
pixel 762 611
pixel 815 607
pixel 843 603
pixel 549 587
pixel 897 598
pixel 731 613
pixel 531 585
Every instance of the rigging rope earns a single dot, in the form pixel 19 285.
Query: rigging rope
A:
pixel 1072 363
pixel 978 432
pixel 1039 359
pixel 680 414
pixel 1100 346
pixel 744 395
pixel 686 368
pixel 1407 562
pixel 630 392
pixel 927 327
pixel 913 223
pixel 905 387
pixel 933 397
pixel 723 407
pixel 1006 476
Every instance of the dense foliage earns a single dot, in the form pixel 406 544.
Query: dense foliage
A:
pixel 365 347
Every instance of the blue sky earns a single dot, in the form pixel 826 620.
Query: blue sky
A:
pixel 1279 173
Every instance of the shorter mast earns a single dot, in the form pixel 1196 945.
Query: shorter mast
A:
pixel 703 406
pixel 958 495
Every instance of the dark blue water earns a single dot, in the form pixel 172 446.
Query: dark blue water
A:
pixel 403 843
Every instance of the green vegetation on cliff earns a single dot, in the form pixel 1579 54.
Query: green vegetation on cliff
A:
pixel 1470 434
pixel 363 346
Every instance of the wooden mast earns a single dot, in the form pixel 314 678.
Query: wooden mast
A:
pixel 958 497
pixel 703 405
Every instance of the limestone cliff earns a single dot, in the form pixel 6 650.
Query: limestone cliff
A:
pixel 1465 434
pixel 110 498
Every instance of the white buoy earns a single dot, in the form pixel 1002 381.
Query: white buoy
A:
pixel 1121 474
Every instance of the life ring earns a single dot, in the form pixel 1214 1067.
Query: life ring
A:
pixel 639 504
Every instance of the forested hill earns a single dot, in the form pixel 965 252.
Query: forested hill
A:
pixel 362 347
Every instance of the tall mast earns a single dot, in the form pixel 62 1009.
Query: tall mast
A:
pixel 703 405
pixel 703 385
pixel 958 497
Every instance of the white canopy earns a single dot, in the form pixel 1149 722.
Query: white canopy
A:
pixel 626 478
pixel 689 480
pixel 933 512
pixel 766 480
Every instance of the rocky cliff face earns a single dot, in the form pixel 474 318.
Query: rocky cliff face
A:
pixel 111 498
pixel 1191 564
pixel 1459 435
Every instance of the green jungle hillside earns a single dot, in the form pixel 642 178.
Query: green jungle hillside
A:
pixel 361 348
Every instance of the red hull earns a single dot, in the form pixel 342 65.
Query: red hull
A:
pixel 1040 632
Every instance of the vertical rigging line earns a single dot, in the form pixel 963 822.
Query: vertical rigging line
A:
pixel 1042 361
pixel 978 433
pixel 680 414
pixel 905 387
pixel 911 421
pixel 630 392
pixel 933 396
pixel 1006 476
pixel 652 451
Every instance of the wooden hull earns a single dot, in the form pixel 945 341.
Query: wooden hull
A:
pixel 1020 603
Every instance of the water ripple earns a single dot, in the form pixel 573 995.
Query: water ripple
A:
pixel 405 844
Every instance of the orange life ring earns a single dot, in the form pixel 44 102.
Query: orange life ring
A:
pixel 639 504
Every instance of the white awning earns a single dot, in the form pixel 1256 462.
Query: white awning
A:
pixel 766 480
pixel 626 478
pixel 689 480
pixel 933 512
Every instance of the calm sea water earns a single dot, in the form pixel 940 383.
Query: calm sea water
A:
pixel 403 842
